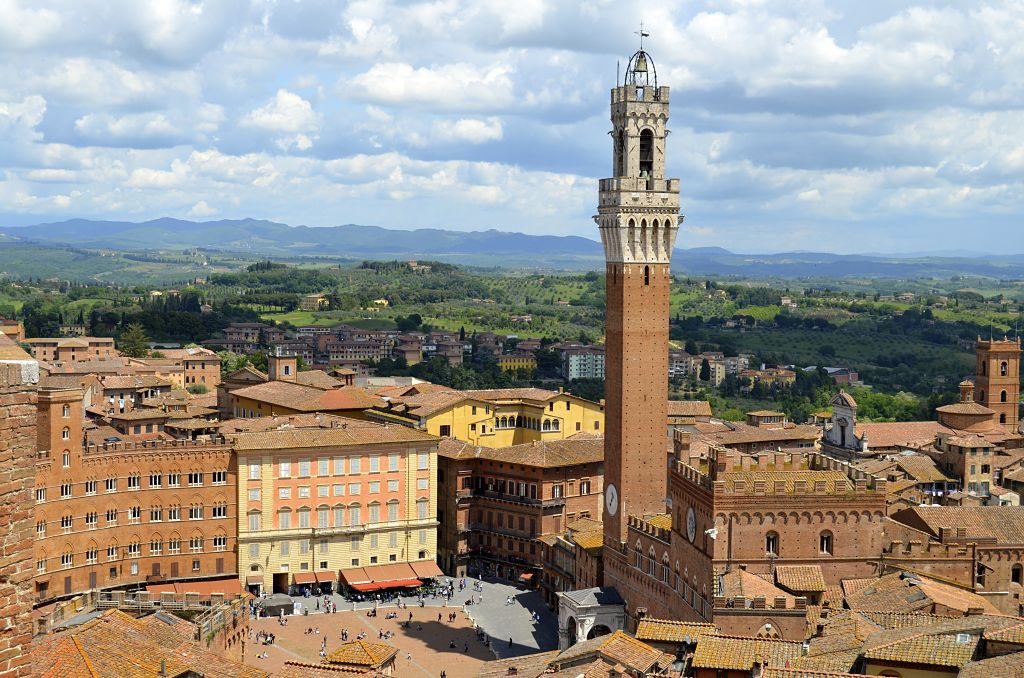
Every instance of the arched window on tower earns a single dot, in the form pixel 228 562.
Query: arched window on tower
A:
pixel 1002 396
pixel 1002 418
pixel 620 154
pixel 647 275
pixel 981 396
pixel 647 153
pixel 984 368
pixel 1004 369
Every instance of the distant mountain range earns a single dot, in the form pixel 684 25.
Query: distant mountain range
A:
pixel 482 248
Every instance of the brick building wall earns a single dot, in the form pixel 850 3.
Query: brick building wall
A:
pixel 18 376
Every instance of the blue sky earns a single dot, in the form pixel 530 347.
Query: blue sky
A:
pixel 838 126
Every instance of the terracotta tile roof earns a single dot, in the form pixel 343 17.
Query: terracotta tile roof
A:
pixel 304 670
pixel 740 654
pixel 740 583
pixel 893 434
pixel 308 398
pixel 124 382
pixel 660 520
pixel 116 644
pixel 1005 523
pixel 895 487
pixel 495 394
pixel 1007 665
pixel 317 379
pixel 753 434
pixel 591 540
pixel 1008 634
pixel 584 525
pixel 832 478
pixel 905 592
pixel 668 631
pixel 362 653
pixel 851 586
pixel 527 666
pixel 804 673
pixel 617 647
pixel 432 402
pixel 689 408
pixel 903 620
pixel 355 433
pixel 877 467
pixel 921 468
pixel 969 440
pixel 972 407
pixel 285 421
pixel 936 649
pixel 800 578
pixel 543 453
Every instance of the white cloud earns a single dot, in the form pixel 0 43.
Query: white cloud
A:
pixel 201 209
pixel 471 130
pixel 286 112
pixel 26 28
pixel 458 87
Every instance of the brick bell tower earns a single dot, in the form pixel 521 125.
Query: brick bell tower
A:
pixel 997 379
pixel 638 218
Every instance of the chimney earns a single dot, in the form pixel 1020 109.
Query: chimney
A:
pixel 163 667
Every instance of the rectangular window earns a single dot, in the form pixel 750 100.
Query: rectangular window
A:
pixel 339 516
pixel 173 546
pixel 195 512
pixel 423 536
pixel 423 461
pixel 375 463
pixel 303 546
pixel 40 495
pixel 392 511
pixel 392 462
pixel 254 522
pixel 374 487
pixel 156 547
pixel 354 517
pixel 90 556
pixel 323 516
pixel 195 545
pixel 354 465
pixel 219 477
pixel 354 489
pixel 284 493
pixel 323 467
pixel 134 549
pixel 304 492
pixel 254 471
pixel 304 468
pixel 284 469
pixel 421 509
pixel 339 466
pixel 323 490
pixel 220 543
pixel 254 551
pixel 303 519
pixel 284 520
pixel 422 483
pixel 339 490
pixel 556 491
pixel 195 479
pixel 374 513
pixel 254 495
pixel 392 486
pixel 220 511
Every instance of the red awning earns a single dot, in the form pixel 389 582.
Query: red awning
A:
pixel 324 577
pixel 353 576
pixel 402 584
pixel 228 587
pixel 305 578
pixel 366 587
pixel 425 569
pixel 526 576
pixel 253 579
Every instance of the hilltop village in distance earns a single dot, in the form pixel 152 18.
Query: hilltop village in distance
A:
pixel 253 472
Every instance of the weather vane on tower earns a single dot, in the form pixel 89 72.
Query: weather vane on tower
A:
pixel 643 34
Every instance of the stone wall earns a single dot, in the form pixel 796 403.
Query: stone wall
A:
pixel 18 377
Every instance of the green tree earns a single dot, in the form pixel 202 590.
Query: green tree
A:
pixel 691 347
pixel 133 341
pixel 705 370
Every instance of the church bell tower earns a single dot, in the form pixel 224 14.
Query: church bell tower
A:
pixel 638 218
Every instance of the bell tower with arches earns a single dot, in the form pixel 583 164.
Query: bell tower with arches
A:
pixel 638 219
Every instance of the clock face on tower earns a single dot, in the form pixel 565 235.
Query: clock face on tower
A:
pixel 691 523
pixel 611 499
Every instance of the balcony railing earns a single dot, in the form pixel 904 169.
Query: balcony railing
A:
pixel 518 499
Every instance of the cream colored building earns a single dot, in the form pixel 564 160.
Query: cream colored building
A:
pixel 347 495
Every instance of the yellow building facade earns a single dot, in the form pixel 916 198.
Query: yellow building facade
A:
pixel 495 417
pixel 314 502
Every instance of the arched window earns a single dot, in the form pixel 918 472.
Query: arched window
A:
pixel 984 368
pixel 1002 396
pixel 825 542
pixel 547 424
pixel 554 424
pixel 620 154
pixel 65 434
pixel 647 275
pixel 981 396
pixel 1002 418
pixel 646 153
pixel 665 568
pixel 651 561
pixel 771 543
pixel 1017 574
pixel 67 411
pixel 638 555
pixel 1004 369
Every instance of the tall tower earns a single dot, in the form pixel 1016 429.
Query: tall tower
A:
pixel 638 218
pixel 997 379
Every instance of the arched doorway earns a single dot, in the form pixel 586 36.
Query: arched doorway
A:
pixel 571 630
pixel 598 630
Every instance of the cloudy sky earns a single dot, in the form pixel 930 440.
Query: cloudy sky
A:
pixel 797 124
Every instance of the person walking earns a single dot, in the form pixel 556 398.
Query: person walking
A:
pixel 510 641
